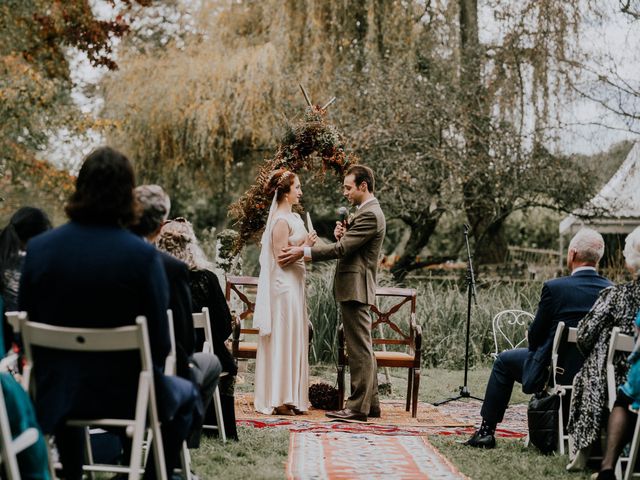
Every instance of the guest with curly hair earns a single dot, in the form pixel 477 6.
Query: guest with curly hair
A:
pixel 178 238
pixel 616 306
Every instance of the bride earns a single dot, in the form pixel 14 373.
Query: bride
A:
pixel 282 364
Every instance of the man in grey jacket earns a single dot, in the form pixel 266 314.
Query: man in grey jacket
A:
pixel 357 248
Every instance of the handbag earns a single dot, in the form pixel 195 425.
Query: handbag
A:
pixel 542 420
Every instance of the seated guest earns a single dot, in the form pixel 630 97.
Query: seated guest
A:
pixel 26 223
pixel 566 299
pixel 33 461
pixel 178 238
pixel 622 419
pixel 93 272
pixel 616 307
pixel 202 368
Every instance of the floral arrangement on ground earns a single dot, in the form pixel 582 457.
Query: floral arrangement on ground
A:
pixel 303 144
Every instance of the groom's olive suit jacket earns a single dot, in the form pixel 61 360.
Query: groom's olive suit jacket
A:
pixel 357 252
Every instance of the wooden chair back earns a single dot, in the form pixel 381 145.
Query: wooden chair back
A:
pixel 394 325
pixel 240 294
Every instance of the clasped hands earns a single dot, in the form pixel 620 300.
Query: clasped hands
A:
pixel 293 253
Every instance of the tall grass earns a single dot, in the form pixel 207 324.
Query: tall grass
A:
pixel 441 310
pixel 323 313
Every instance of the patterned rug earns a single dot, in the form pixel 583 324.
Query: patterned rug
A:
pixel 453 418
pixel 514 424
pixel 393 414
pixel 338 456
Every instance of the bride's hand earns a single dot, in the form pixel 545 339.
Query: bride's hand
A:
pixel 311 239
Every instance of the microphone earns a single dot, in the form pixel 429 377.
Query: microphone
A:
pixel 466 228
pixel 343 213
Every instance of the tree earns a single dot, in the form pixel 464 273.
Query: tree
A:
pixel 448 122
pixel 35 84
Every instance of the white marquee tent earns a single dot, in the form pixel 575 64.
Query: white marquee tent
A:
pixel 616 208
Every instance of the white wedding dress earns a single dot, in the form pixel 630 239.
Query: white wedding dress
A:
pixel 282 360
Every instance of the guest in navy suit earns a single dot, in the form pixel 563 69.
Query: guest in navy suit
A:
pixel 93 272
pixel 566 299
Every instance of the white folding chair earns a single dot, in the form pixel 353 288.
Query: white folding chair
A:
pixel 170 366
pixel 10 447
pixel 13 318
pixel 621 343
pixel 561 389
pixel 510 329
pixel 202 320
pixel 127 338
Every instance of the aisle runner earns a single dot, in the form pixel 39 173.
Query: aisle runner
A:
pixel 338 456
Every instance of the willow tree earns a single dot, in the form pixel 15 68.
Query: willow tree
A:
pixel 449 123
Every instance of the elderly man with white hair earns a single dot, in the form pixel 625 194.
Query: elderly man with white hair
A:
pixel 616 307
pixel 565 299
pixel 201 368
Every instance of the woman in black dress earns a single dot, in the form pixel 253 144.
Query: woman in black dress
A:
pixel 178 238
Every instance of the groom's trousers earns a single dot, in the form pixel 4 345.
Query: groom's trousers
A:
pixel 356 321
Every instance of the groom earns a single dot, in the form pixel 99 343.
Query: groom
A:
pixel 357 248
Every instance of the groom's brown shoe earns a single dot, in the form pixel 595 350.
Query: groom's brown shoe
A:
pixel 348 414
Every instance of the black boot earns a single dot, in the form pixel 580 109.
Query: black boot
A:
pixel 484 437
pixel 229 416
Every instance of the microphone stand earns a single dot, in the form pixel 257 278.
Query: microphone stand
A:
pixel 471 295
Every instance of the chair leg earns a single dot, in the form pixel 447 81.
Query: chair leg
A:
pixel 416 389
pixel 340 387
pixel 88 451
pixel 409 388
pixel 142 408
pixel 217 404
pixel 633 453
pixel 185 462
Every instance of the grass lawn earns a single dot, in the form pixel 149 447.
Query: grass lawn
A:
pixel 262 453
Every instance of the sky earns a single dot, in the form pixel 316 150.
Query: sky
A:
pixel 612 44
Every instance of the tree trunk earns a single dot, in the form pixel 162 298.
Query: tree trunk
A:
pixel 421 230
pixel 479 198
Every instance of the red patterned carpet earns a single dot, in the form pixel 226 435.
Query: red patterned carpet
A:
pixel 454 418
pixel 347 456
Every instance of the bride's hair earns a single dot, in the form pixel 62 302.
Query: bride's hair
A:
pixel 280 180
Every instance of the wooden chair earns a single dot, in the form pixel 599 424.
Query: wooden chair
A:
pixel 241 287
pixel 202 320
pixel 562 337
pixel 127 338
pixel 405 334
pixel 10 447
pixel 510 329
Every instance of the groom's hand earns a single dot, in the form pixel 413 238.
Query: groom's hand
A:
pixel 290 255
pixel 339 231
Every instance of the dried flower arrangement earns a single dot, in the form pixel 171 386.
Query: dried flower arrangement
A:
pixel 312 138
